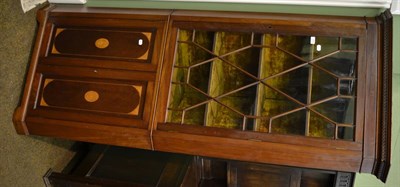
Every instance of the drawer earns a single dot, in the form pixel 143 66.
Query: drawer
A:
pixel 112 102
pixel 92 96
pixel 103 43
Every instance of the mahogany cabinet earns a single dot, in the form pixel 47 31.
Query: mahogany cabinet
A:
pixel 292 90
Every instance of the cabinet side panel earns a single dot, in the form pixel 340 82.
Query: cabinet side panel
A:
pixel 43 30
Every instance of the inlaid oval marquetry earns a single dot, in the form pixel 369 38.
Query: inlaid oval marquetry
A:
pixel 92 96
pixel 102 43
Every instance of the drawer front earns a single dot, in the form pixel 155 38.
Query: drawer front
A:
pixel 103 43
pixel 112 98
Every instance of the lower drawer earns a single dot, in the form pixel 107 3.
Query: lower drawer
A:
pixel 93 96
pixel 113 102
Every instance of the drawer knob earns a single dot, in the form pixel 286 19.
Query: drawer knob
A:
pixel 91 96
pixel 140 42
pixel 102 43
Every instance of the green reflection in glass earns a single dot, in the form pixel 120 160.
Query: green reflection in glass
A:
pixel 346 133
pixel 179 75
pixel 324 85
pixel 293 123
pixel 189 54
pixel 222 117
pixel 182 97
pixel 226 77
pixel 319 127
pixel 218 63
pixel 185 35
pixel 246 60
pixel 242 101
pixel 270 104
pixel 174 116
pixel 274 61
pixel 199 76
pixel 195 116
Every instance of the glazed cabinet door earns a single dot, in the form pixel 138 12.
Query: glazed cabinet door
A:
pixel 267 88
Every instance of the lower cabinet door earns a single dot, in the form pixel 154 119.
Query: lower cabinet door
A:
pixel 118 166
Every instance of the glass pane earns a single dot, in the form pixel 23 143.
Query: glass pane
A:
pixel 269 40
pixel 250 124
pixel 226 78
pixel 185 35
pixel 183 96
pixel 189 54
pixel 308 47
pixel 349 44
pixel 174 116
pixel 179 75
pixel 342 64
pixel 293 83
pixel 257 39
pixel 319 127
pixel 346 133
pixel 226 42
pixel 223 117
pixel 348 87
pixel 260 125
pixel 271 103
pixel 340 110
pixel 293 123
pixel 323 85
pixel 227 66
pixel 199 76
pixel 204 39
pixel 247 60
pixel 242 101
pixel 195 116
pixel 274 61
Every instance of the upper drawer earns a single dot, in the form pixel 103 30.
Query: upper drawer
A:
pixel 103 43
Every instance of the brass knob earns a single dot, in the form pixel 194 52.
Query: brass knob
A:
pixel 102 43
pixel 91 96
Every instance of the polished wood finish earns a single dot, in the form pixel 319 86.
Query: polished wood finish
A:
pixel 102 43
pixel 94 70
pixel 91 96
pixel 81 86
pixel 257 151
